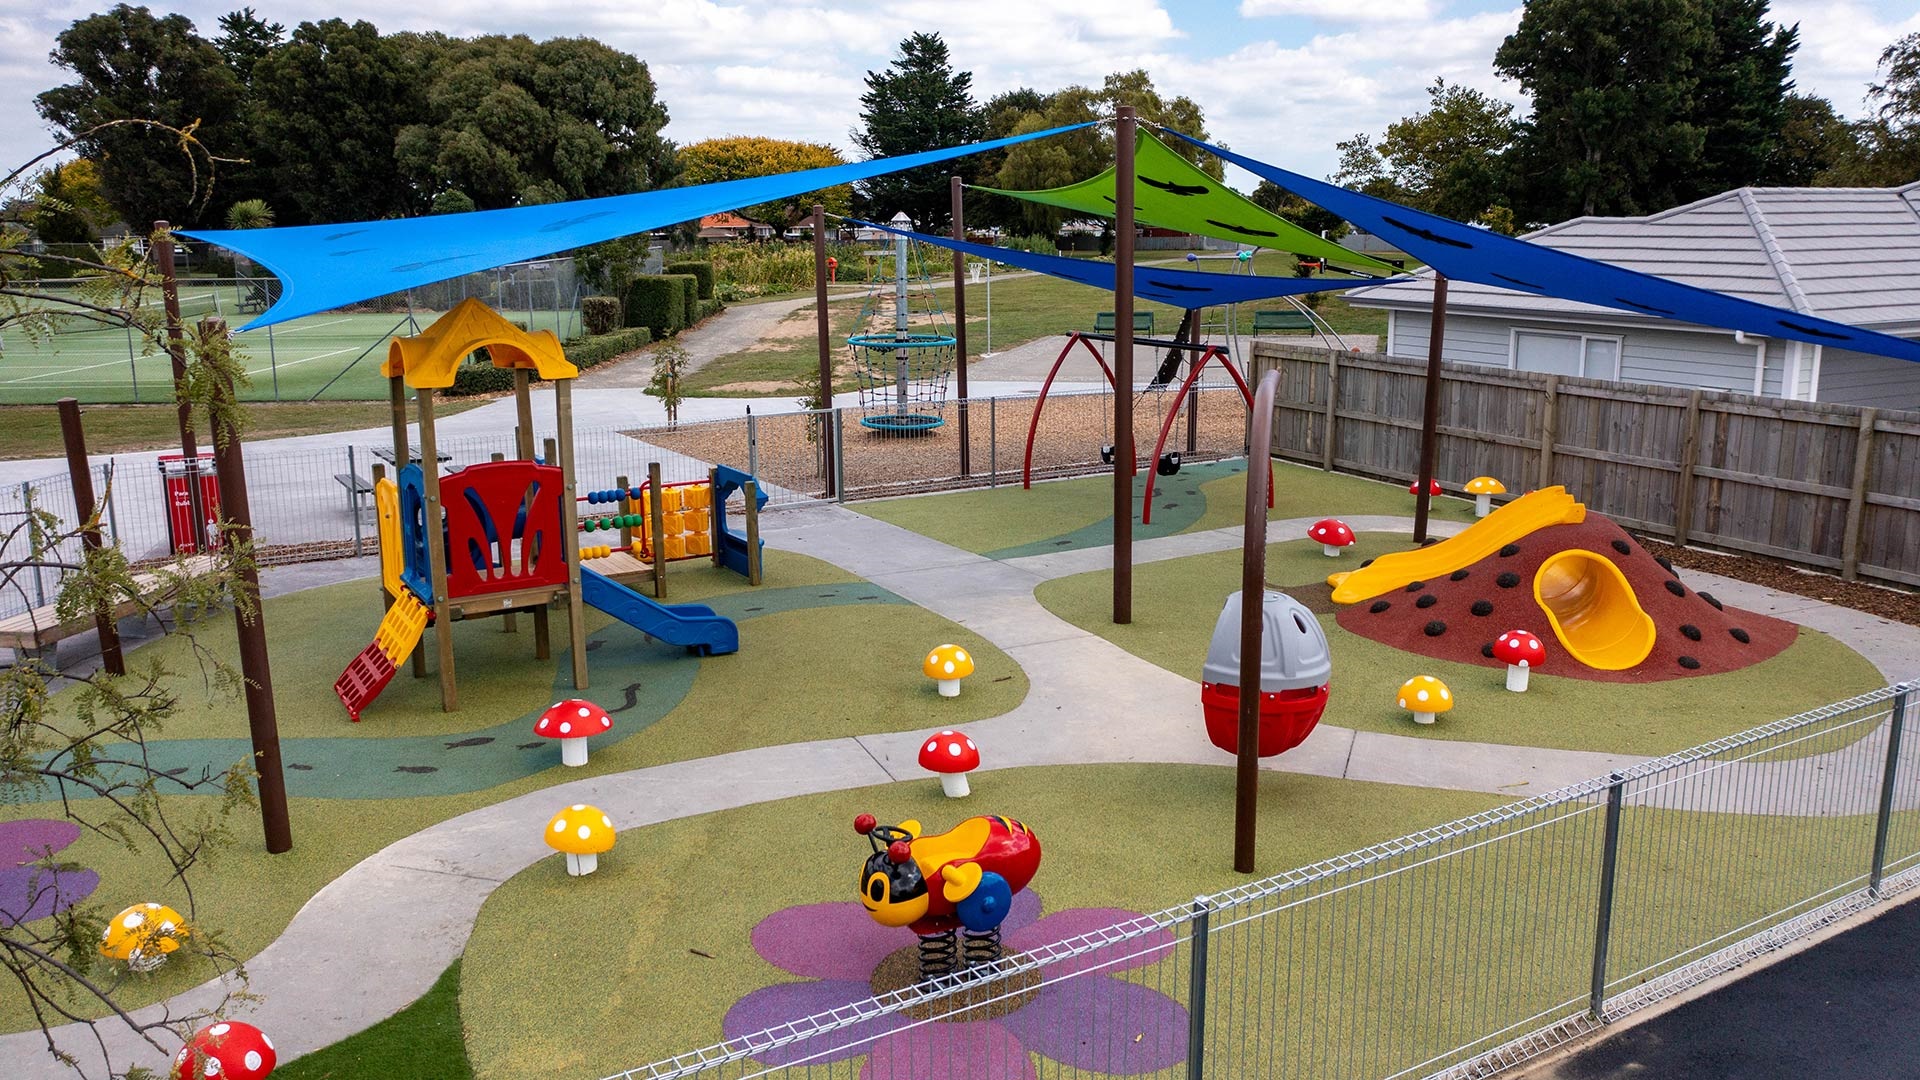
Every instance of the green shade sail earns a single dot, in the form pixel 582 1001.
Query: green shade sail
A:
pixel 1170 192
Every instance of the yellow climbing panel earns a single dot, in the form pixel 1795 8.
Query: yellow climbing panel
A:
pixel 401 627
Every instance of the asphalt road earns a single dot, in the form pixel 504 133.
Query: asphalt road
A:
pixel 1845 1008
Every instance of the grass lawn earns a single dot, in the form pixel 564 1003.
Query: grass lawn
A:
pixel 33 431
pixel 1010 521
pixel 659 935
pixel 420 1042
pixel 1177 601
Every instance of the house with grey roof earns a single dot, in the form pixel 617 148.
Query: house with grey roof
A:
pixel 1847 254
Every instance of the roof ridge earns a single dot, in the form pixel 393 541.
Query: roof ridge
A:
pixel 1781 268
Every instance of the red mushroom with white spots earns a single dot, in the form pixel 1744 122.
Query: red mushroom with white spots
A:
pixel 225 1050
pixel 953 756
pixel 1521 652
pixel 1433 487
pixel 1333 535
pixel 573 722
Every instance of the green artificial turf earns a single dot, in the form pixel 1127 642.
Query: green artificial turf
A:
pixel 1177 601
pixel 420 1042
pixel 651 950
pixel 1012 521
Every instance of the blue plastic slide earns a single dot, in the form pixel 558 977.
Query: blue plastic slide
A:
pixel 693 625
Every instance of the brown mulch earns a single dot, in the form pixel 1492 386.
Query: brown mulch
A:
pixel 1466 611
pixel 983 1000
pixel 1899 605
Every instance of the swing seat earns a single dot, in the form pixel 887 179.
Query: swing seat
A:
pixel 902 423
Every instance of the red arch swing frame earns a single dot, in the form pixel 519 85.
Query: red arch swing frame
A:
pixel 1207 352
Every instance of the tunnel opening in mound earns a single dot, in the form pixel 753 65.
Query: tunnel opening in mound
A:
pixel 1592 610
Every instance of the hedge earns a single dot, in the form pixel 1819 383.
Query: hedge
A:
pixel 689 298
pixel 658 303
pixel 701 269
pixel 479 376
pixel 600 314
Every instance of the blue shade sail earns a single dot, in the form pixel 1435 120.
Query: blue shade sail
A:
pixel 1467 253
pixel 322 267
pixel 1180 288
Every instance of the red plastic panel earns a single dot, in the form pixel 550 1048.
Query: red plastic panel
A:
pixel 365 677
pixel 503 528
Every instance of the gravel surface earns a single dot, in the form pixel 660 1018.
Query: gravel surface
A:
pixel 1899 605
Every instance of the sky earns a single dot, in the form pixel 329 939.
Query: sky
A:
pixel 1280 80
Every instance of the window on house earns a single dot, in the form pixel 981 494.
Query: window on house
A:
pixel 1566 354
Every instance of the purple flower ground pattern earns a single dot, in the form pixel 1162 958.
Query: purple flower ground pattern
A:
pixel 28 892
pixel 1081 1017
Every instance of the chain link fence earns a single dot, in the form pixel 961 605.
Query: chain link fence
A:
pixel 1450 953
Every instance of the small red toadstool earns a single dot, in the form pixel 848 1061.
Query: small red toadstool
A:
pixel 1433 487
pixel 573 721
pixel 1520 651
pixel 1333 535
pixel 953 756
pixel 225 1050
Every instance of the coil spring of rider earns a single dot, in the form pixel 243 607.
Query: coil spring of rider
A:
pixel 983 948
pixel 939 954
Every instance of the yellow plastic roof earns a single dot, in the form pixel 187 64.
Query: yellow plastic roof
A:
pixel 429 358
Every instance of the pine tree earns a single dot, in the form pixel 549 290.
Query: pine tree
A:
pixel 918 103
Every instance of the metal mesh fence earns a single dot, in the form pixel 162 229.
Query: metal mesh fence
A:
pixel 1451 952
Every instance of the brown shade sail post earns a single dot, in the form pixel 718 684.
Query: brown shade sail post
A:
pixel 1123 138
pixel 1430 419
pixel 80 474
pixel 960 322
pixel 249 618
pixel 823 332
pixel 162 243
pixel 1253 588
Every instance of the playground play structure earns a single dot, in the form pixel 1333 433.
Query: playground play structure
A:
pixel 509 530
pixel 902 373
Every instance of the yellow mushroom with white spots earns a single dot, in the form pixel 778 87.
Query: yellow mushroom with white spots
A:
pixel 1483 489
pixel 582 832
pixel 948 664
pixel 143 935
pixel 1425 697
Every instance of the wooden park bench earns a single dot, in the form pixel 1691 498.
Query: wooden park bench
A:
pixel 38 633
pixel 1142 322
pixel 1281 322
pixel 357 487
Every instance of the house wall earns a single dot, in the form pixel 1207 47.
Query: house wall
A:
pixel 1851 378
pixel 1710 361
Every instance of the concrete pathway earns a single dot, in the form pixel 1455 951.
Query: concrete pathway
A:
pixel 376 937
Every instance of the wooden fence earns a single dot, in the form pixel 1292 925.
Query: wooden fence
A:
pixel 1829 486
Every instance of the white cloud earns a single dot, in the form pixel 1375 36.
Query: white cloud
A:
pixel 1346 11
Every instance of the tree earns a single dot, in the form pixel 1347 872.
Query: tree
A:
pixel 131 65
pixel 1271 197
pixel 1740 95
pixel 1449 160
pixel 1611 82
pixel 1814 141
pixel 324 109
pixel 91 759
pixel 244 39
pixel 69 204
pixel 250 214
pixel 510 122
pixel 1889 139
pixel 740 157
pixel 918 103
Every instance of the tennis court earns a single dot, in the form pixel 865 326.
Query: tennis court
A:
pixel 332 356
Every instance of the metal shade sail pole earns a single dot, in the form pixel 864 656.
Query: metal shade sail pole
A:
pixel 1430 420
pixel 822 331
pixel 960 321
pixel 1123 137
pixel 1253 587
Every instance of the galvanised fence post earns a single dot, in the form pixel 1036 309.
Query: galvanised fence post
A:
pixel 353 498
pixel 1197 990
pixel 1609 869
pixel 839 460
pixel 993 442
pixel 753 443
pixel 1895 724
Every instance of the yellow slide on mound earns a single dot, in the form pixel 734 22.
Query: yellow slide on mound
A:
pixel 1510 523
pixel 1593 609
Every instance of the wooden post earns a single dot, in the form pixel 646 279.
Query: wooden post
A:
pixel 713 498
pixel 570 531
pixel 436 551
pixel 80 474
pixel 752 514
pixel 657 529
pixel 624 506
pixel 523 412
pixel 249 618
pixel 162 244
pixel 822 331
pixel 1123 464
pixel 1689 458
pixel 1549 429
pixel 1857 498
pixel 960 322
pixel 1253 589
pixel 1430 415
pixel 1333 409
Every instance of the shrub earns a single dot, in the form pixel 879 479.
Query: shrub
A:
pixel 479 376
pixel 591 351
pixel 657 303
pixel 690 310
pixel 600 314
pixel 701 270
